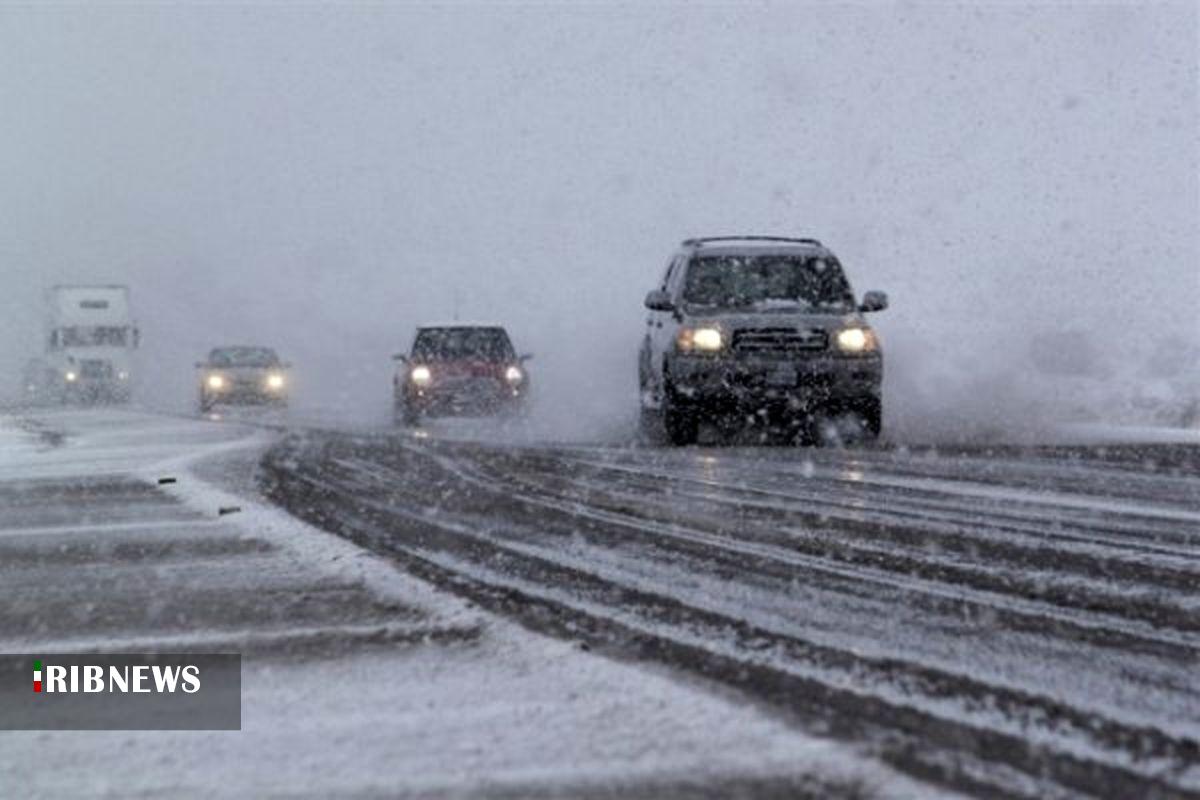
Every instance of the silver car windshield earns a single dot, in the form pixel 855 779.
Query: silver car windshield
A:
pixel 243 357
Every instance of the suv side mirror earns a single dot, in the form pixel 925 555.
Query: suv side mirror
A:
pixel 658 300
pixel 400 357
pixel 525 357
pixel 874 301
pixel 201 364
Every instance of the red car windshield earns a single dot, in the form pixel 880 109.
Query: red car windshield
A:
pixel 462 344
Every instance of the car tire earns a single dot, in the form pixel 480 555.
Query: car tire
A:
pixel 650 428
pixel 851 425
pixel 408 416
pixel 680 422
pixel 872 412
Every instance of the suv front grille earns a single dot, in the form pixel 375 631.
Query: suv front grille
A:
pixel 779 340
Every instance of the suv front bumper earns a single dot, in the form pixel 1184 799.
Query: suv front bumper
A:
pixel 738 383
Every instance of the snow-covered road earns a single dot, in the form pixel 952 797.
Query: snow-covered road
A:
pixel 1000 621
pixel 358 678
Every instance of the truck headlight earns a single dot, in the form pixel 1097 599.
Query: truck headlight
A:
pixel 856 340
pixel 216 382
pixel 700 340
pixel 71 377
pixel 421 376
pixel 514 375
pixel 275 381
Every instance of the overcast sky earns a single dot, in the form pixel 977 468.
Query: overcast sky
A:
pixel 324 179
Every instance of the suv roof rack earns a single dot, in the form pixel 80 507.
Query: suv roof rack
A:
pixel 701 240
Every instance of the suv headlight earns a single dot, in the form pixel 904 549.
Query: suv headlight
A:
pixel 216 382
pixel 707 339
pixel 857 340
pixel 421 376
pixel 275 381
pixel 514 375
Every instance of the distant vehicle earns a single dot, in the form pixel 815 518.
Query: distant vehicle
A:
pixel 759 328
pixel 243 375
pixel 90 339
pixel 459 369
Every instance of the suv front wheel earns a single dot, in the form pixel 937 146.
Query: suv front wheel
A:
pixel 680 421
pixel 406 415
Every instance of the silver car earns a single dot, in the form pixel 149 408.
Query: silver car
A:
pixel 243 375
pixel 758 329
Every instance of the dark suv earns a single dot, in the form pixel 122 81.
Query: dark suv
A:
pixel 758 329
pixel 459 369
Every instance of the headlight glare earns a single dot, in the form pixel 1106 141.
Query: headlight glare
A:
pixel 275 381
pixel 420 376
pixel 514 375
pixel 71 377
pixel 702 340
pixel 856 340
pixel 216 382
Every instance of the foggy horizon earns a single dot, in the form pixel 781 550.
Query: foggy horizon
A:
pixel 324 180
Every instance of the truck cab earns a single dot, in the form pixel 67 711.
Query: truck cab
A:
pixel 90 340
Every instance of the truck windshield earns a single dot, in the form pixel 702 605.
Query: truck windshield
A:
pixel 767 283
pixel 449 344
pixel 94 336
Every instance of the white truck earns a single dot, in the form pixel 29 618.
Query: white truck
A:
pixel 90 339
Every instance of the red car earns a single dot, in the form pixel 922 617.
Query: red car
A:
pixel 460 370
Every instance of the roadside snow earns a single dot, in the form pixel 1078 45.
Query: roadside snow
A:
pixel 1097 433
pixel 506 713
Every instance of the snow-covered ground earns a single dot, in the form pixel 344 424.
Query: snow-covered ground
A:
pixel 1099 433
pixel 389 689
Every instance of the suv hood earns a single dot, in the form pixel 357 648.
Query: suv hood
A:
pixel 777 319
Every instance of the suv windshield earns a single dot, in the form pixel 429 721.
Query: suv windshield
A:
pixel 449 344
pixel 767 283
pixel 243 357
